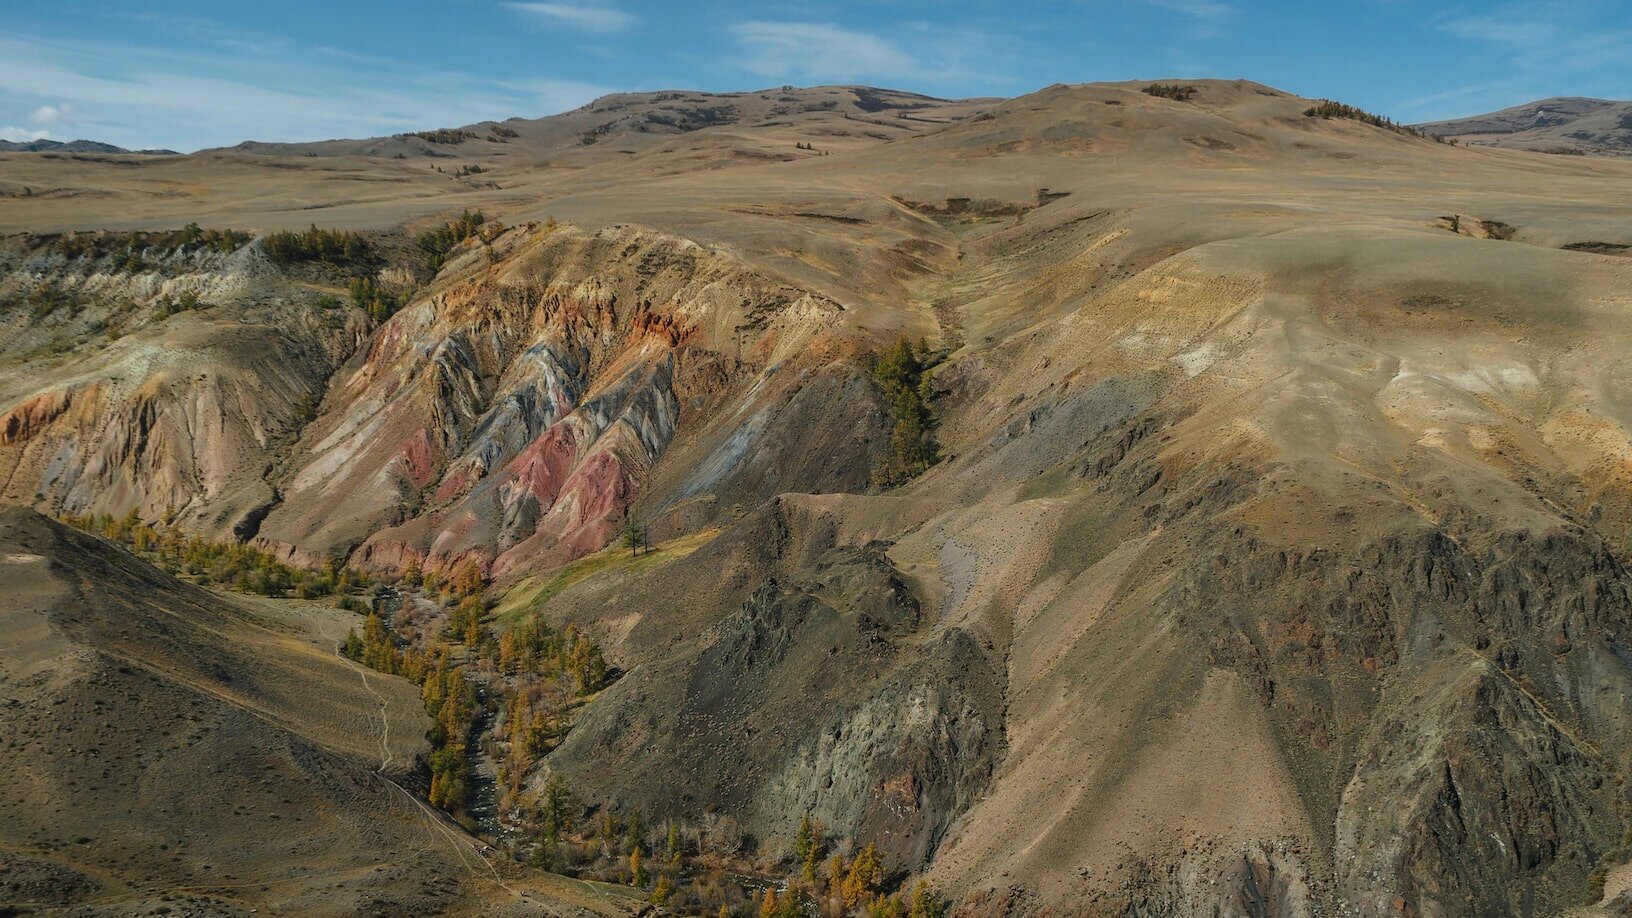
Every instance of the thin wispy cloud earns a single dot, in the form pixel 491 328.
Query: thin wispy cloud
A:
pixel 1550 37
pixel 1206 18
pixel 820 52
pixel 1206 10
pixel 586 16
pixel 206 99
pixel 1539 43
pixel 1458 94
pixel 917 53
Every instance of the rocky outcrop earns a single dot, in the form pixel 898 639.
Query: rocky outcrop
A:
pixel 518 413
pixel 821 693
pixel 179 415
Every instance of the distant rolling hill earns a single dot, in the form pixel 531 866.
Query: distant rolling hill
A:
pixel 72 146
pixel 829 115
pixel 1562 125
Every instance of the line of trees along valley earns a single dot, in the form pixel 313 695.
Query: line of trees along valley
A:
pixel 507 692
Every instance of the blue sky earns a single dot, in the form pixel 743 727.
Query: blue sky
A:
pixel 186 75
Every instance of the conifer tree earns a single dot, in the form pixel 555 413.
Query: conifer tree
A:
pixel 925 904
pixel 674 846
pixel 634 836
pixel 637 867
pixel 864 877
pixel 805 840
pixel 835 876
pixel 556 807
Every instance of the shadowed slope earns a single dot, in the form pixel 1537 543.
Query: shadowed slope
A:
pixel 167 744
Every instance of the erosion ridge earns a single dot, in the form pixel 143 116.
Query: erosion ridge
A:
pixel 1275 557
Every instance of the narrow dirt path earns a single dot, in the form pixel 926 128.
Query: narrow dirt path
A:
pixel 385 717
pixel 458 839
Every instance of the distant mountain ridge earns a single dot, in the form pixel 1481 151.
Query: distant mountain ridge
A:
pixel 1573 124
pixel 638 120
pixel 73 146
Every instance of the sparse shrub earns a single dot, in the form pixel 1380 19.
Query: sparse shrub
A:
pixel 159 245
pixel 1328 109
pixel 1178 92
pixel 187 302
pixel 353 648
pixel 437 243
pixel 448 136
pixel 925 904
pixel 373 298
pixel 45 300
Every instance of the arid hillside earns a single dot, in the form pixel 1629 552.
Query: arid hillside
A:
pixel 173 750
pixel 1571 126
pixel 1242 530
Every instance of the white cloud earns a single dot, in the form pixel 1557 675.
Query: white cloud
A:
pixel 22 135
pixel 160 97
pixel 587 16
pixel 820 52
pixel 49 114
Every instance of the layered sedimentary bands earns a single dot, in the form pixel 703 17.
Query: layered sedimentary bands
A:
pixel 1272 560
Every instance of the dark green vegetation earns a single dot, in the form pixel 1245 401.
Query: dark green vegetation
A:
pixel 450 700
pixel 333 247
pixel 1178 92
pixel 532 674
pixel 902 376
pixel 1599 248
pixel 238 567
pixel 708 866
pixel 374 298
pixel 437 243
pixel 1328 109
pixel 444 135
pixel 186 302
pixel 46 299
pixel 137 251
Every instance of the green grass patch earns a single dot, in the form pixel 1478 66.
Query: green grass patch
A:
pixel 531 593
